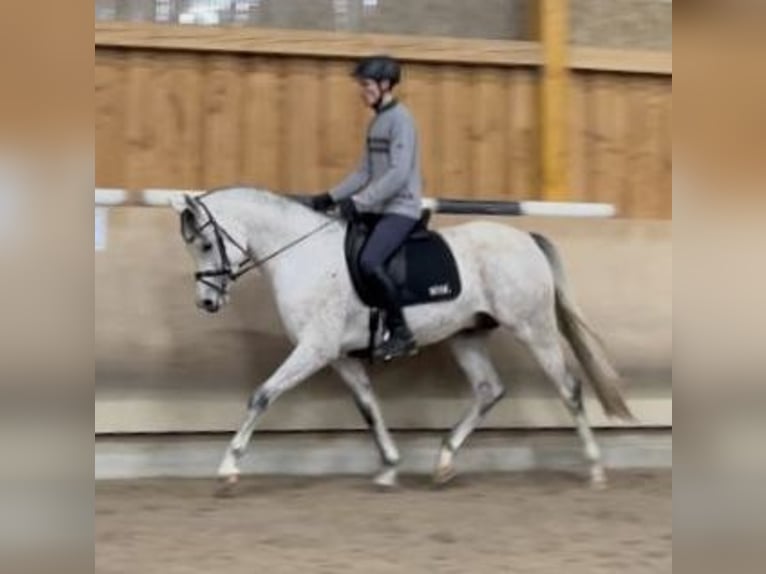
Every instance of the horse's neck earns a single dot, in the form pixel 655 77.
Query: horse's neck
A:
pixel 272 223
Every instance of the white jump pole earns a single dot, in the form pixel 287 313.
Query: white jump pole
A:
pixel 153 197
pixel 108 197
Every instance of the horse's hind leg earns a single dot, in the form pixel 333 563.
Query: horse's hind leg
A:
pixel 355 376
pixel 472 354
pixel 541 337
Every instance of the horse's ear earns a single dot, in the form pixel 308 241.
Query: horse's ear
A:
pixel 193 206
pixel 178 203
pixel 189 211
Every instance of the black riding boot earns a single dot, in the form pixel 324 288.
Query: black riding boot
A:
pixel 400 342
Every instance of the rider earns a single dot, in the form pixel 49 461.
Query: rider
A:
pixel 386 189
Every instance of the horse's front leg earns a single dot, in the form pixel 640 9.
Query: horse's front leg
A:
pixel 307 358
pixel 355 376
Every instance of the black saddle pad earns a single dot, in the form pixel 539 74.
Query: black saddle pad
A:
pixel 423 269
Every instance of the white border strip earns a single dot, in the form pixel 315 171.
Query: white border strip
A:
pixel 159 197
pixel 107 197
pixel 567 209
pixel 316 454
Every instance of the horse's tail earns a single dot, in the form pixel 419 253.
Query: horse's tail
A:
pixel 581 337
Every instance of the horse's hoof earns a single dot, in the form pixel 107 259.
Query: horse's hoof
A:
pixel 387 479
pixel 226 486
pixel 444 475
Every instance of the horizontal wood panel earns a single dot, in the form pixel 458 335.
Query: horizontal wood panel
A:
pixel 348 45
pixel 314 43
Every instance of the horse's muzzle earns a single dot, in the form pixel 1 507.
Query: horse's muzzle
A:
pixel 209 305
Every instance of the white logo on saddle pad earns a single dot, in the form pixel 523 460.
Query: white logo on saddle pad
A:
pixel 437 290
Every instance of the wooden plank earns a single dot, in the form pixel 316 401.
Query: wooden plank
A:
pixel 110 107
pixel 659 196
pixel 523 163
pixel 626 61
pixel 665 187
pixel 553 103
pixel 592 137
pixel 578 182
pixel 300 145
pixel 638 149
pixel 222 115
pixel 601 114
pixel 488 134
pixel 646 145
pixel 456 111
pixel 619 140
pixel 343 121
pixel 422 97
pixel 138 121
pixel 349 45
pixel 163 164
pixel 177 111
pixel 313 43
pixel 533 21
pixel 650 194
pixel 262 122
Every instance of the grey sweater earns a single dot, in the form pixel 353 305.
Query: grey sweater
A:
pixel 387 179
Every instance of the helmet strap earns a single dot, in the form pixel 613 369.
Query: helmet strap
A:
pixel 379 103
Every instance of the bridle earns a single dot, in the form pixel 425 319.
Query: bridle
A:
pixel 226 271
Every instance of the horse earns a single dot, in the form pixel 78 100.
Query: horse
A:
pixel 510 279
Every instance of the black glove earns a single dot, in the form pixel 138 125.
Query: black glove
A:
pixel 323 202
pixel 348 210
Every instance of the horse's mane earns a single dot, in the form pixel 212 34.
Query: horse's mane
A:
pixel 246 192
pixel 282 202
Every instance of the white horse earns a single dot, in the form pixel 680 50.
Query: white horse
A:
pixel 510 278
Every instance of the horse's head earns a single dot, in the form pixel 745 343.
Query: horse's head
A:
pixel 216 244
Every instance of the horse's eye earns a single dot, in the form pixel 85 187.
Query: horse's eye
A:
pixel 206 247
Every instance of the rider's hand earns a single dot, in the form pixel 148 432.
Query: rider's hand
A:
pixel 348 210
pixel 323 202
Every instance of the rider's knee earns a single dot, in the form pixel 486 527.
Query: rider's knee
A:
pixel 369 265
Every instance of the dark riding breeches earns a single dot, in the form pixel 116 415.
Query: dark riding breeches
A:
pixel 389 234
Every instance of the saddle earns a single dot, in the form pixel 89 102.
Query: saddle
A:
pixel 423 269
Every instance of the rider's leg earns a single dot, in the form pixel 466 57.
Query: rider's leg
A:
pixel 385 239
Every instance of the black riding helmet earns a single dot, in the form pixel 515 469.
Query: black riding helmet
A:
pixel 378 69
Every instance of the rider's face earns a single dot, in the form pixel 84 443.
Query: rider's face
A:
pixel 370 91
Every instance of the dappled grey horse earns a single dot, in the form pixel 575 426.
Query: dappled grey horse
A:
pixel 510 279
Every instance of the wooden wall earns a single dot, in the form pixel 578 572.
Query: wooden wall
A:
pixel 620 141
pixel 198 118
